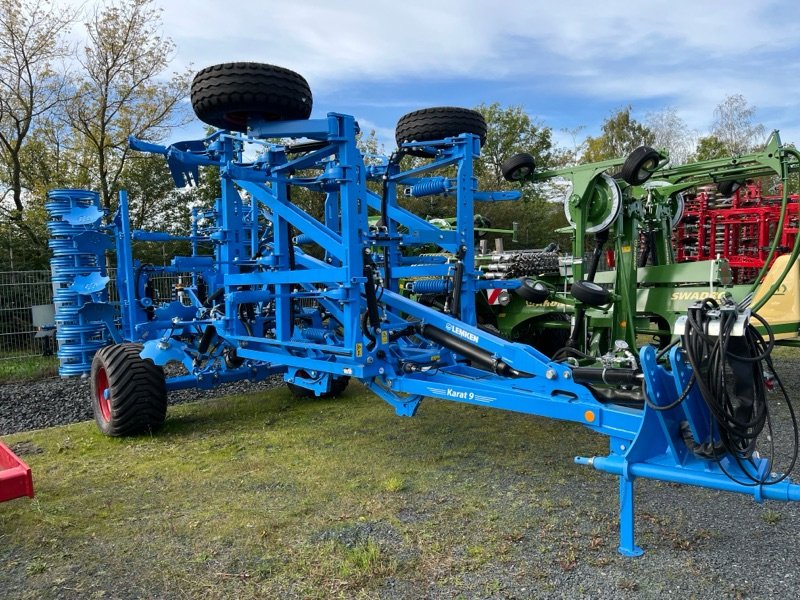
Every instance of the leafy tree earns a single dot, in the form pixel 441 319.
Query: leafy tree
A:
pixel 670 132
pixel 511 130
pixel 32 41
pixel 621 135
pixel 709 147
pixel 151 190
pixel 734 126
pixel 122 92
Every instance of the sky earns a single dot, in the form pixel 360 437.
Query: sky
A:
pixel 569 64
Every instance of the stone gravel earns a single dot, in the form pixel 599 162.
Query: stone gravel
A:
pixel 55 401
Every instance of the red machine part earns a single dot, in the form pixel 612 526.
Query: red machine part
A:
pixel 740 228
pixel 15 476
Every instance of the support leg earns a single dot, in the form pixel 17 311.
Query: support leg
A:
pixel 627 547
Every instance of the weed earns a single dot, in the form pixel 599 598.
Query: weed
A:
pixel 629 585
pixel 394 484
pixel 773 517
pixel 36 566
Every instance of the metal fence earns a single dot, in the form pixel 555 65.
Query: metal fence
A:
pixel 25 304
pixel 26 309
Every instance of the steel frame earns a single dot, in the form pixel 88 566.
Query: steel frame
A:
pixel 328 303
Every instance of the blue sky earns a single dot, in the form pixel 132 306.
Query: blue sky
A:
pixel 569 63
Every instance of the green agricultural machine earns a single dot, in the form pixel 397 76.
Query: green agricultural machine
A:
pixel 622 212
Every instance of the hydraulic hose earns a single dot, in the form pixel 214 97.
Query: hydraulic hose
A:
pixel 795 250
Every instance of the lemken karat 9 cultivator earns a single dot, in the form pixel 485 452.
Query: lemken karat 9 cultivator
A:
pixel 324 299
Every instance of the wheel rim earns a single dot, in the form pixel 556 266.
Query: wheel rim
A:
pixel 521 173
pixel 103 393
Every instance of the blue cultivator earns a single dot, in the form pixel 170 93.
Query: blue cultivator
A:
pixel 321 296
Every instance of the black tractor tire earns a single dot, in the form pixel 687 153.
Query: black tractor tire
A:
pixel 640 165
pixel 129 393
pixel 519 167
pixel 532 290
pixel 728 188
pixel 591 293
pixel 338 386
pixel 230 94
pixel 430 124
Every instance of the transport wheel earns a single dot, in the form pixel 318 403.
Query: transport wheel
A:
pixel 438 123
pixel 229 94
pixel 518 167
pixel 639 166
pixel 338 386
pixel 532 290
pixel 728 188
pixel 591 293
pixel 547 340
pixel 129 394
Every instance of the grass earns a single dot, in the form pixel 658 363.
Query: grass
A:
pixel 268 496
pixel 27 368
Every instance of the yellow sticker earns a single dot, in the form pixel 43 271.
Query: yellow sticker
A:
pixel 384 337
pixel 359 350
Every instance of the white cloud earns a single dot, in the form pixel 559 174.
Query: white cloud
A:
pixel 686 54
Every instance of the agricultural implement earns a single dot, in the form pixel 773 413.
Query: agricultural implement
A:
pixel 738 228
pixel 690 232
pixel 269 288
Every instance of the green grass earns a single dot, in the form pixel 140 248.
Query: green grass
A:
pixel 265 496
pixel 27 368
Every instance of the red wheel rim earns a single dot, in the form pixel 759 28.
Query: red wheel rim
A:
pixel 103 392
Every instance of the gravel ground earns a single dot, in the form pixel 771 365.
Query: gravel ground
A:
pixel 56 401
pixel 700 543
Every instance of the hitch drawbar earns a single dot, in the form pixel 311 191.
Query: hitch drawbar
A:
pixel 478 356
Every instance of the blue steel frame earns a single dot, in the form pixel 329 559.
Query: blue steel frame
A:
pixel 285 307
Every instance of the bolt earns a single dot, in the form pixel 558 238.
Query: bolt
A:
pixel 370 360
pixel 622 447
pixel 551 374
pixel 381 371
pixel 567 375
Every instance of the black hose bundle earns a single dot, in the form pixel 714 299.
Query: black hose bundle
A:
pixel 729 371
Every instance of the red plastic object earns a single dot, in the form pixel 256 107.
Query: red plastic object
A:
pixel 15 476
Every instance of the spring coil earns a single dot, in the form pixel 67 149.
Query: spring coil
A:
pixel 428 187
pixel 316 334
pixel 430 286
pixel 78 339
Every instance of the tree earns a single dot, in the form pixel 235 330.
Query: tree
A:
pixel 32 41
pixel 122 92
pixel 671 133
pixel 709 147
pixel 621 135
pixel 734 126
pixel 511 130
